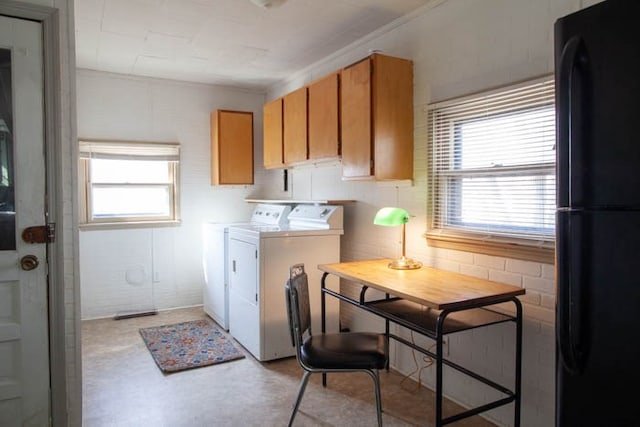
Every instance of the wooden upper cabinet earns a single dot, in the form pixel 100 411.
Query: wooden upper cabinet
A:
pixel 357 142
pixel 295 126
pixel 377 119
pixel 231 147
pixel 273 134
pixel 324 118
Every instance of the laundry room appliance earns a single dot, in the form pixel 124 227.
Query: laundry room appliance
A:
pixel 260 257
pixel 215 258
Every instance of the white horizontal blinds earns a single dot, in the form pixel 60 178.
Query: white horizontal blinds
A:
pixel 493 163
pixel 130 150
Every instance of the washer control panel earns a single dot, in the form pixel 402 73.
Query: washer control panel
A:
pixel 271 214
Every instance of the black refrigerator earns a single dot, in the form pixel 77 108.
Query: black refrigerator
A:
pixel 597 65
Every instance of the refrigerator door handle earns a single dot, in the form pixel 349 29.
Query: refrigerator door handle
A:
pixel 570 322
pixel 569 158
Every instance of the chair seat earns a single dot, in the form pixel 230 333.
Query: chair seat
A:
pixel 347 350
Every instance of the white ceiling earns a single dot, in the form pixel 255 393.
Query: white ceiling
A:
pixel 231 42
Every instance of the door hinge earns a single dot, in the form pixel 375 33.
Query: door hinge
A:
pixel 40 233
pixel 256 254
pixel 256 297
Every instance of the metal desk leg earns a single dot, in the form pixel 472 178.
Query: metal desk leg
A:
pixel 386 334
pixel 518 382
pixel 439 330
pixel 323 310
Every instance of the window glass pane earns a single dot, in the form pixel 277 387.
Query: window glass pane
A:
pixel 7 184
pixel 130 201
pixel 513 204
pixel 520 138
pixel 129 171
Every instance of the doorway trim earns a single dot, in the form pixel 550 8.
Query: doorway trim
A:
pixel 50 20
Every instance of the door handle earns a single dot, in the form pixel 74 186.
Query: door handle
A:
pixel 572 323
pixel 29 262
pixel 571 100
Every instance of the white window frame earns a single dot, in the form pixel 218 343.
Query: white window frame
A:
pixel 443 119
pixel 128 150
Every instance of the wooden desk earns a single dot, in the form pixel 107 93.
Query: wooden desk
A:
pixel 434 303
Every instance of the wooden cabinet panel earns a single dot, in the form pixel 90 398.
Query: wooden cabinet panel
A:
pixel 231 147
pixel 393 117
pixel 377 119
pixel 273 134
pixel 324 120
pixel 295 126
pixel 363 113
pixel 355 98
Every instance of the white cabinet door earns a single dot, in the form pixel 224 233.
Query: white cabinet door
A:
pixel 243 270
pixel 244 310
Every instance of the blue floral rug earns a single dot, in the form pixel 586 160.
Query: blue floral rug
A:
pixel 189 345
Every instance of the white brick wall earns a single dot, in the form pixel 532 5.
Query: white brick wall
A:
pixel 458 47
pixel 167 258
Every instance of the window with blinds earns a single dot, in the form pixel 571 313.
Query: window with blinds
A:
pixel 129 182
pixel 492 166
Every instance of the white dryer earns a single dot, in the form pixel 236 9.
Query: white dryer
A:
pixel 260 257
pixel 215 258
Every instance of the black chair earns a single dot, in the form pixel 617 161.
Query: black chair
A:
pixel 322 353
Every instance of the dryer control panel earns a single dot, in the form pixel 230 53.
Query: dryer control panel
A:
pixel 323 217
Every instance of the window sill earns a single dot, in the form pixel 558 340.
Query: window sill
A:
pixel 509 249
pixel 92 226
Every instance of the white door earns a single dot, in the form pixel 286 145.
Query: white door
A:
pixel 24 346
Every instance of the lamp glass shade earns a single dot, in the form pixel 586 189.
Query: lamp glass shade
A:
pixel 392 217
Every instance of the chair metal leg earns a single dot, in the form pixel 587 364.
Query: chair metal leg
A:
pixel 303 386
pixel 376 383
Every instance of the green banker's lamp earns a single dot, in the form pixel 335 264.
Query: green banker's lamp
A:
pixel 392 217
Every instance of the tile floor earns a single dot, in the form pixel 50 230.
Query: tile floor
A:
pixel 122 386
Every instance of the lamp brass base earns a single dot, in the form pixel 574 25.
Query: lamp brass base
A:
pixel 405 264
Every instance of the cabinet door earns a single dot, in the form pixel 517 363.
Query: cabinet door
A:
pixel 272 134
pixel 355 96
pixel 324 139
pixel 393 117
pixel 295 126
pixel 231 147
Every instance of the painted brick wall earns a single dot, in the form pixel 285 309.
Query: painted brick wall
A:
pixel 458 47
pixel 139 269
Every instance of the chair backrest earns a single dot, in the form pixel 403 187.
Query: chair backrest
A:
pixel 298 308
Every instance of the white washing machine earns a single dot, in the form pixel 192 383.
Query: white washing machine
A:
pixel 215 258
pixel 259 261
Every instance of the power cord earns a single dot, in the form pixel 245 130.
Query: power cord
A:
pixel 426 359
